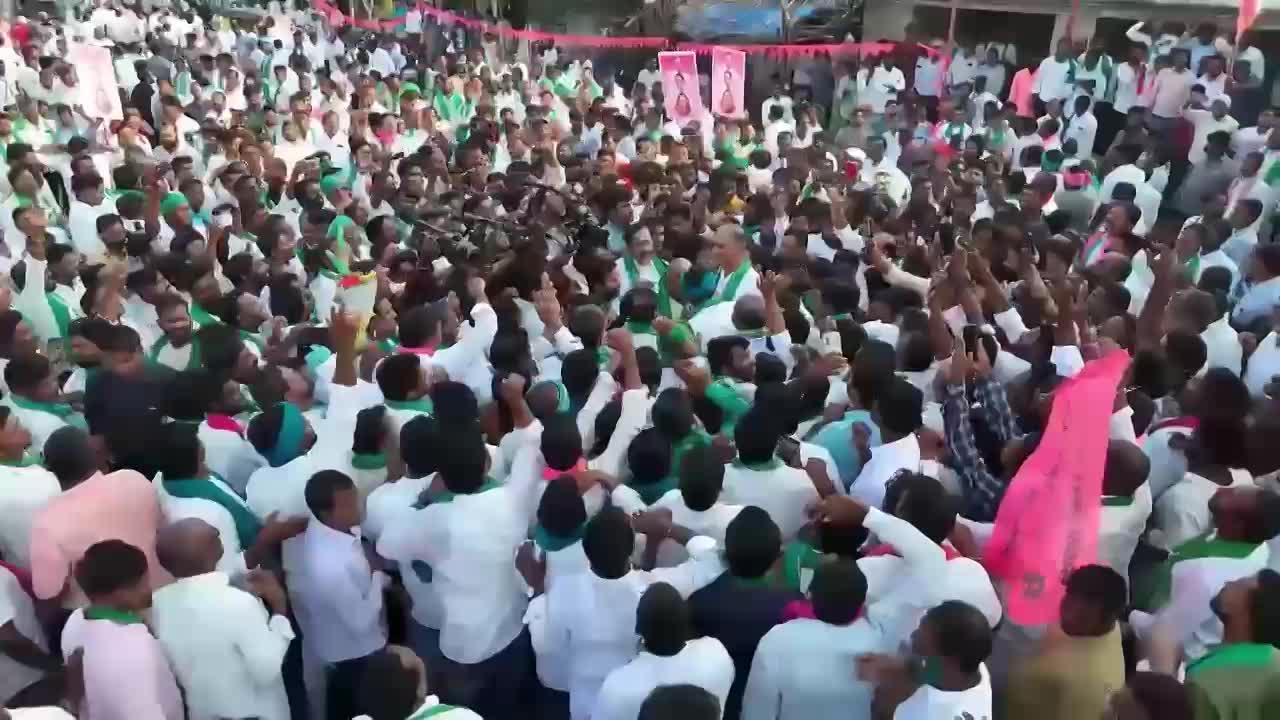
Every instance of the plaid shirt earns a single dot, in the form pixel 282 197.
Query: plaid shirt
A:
pixel 982 490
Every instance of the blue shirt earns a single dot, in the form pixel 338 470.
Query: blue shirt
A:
pixel 837 439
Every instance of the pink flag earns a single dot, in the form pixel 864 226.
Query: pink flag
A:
pixel 1047 524
pixel 1249 10
pixel 728 75
pixel 681 95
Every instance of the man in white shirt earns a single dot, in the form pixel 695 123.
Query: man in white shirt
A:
pixel 392 500
pixel 1053 78
pixel 1082 127
pixel 928 82
pixel 1132 79
pixel 801 668
pixel 89 204
pixel 1207 122
pixel 225 648
pixel 1214 79
pixel 898 415
pixel 758 477
pixel 880 84
pixel 1254 139
pixel 464 539
pixel 590 617
pixel 25 487
pixel 779 98
pixel 957 639
pixel 336 593
pixel 670 655
pixel 26 667
pixel 880 171
pixel 1126 171
pixel 963 68
pixel 1260 296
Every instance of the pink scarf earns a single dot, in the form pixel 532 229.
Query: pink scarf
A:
pixel 224 422
pixel 427 350
pixel 551 473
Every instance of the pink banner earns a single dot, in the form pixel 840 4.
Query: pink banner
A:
pixel 96 81
pixel 728 82
pixel 681 96
pixel 1047 524
pixel 1249 10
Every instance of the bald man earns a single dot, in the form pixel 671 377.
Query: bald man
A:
pixel 225 647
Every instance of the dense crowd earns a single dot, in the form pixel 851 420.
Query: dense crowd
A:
pixel 425 373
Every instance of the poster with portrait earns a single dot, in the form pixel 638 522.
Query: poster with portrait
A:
pixel 680 94
pixel 728 82
pixel 96 78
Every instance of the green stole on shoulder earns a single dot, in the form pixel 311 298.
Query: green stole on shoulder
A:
pixel 247 524
pixel 633 274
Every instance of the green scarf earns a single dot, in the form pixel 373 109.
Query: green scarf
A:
pixel 293 431
pixel 62 411
pixel 421 405
pixel 28 460
pixel 798 557
pixel 61 313
pixel 633 275
pixel 651 493
pixel 119 617
pixel 697 438
pixel 427 713
pixel 452 108
pixel 368 461
pixel 735 279
pixel 247 525
pixel 444 496
pixel 669 346
pixel 772 463
pixel 552 543
pixel 202 317
pixel 253 338
pixel 193 362
pixel 1204 546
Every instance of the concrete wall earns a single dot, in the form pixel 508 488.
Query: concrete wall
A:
pixel 885 19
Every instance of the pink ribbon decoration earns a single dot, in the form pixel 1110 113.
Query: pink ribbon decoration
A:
pixel 338 19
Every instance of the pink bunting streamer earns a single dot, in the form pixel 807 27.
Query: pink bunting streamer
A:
pixel 336 18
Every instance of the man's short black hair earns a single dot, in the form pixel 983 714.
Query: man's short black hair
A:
pixel 1101 587
pixel 561 442
pixel 462 468
pixel 752 543
pixel 701 478
pixel 685 702
pixel 323 488
pixel 608 543
pixel 838 591
pixel 561 511
pixel 109 566
pixel 399 376
pixel 900 407
pixel 649 457
pixel 962 632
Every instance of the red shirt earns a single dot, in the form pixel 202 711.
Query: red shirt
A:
pixel 21 35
